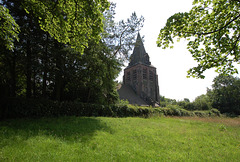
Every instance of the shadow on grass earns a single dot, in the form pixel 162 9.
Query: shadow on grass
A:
pixel 69 129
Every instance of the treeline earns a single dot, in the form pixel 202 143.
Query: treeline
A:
pixel 224 95
pixel 42 68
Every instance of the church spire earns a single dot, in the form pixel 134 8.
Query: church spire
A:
pixel 139 54
pixel 139 44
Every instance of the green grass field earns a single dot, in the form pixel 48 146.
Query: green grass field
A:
pixel 120 139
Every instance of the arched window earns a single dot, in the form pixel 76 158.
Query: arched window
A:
pixel 128 76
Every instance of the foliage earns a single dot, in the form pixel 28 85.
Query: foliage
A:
pixel 175 110
pixel 73 22
pixel 202 102
pixel 166 101
pixel 20 108
pixel 186 100
pixel 120 36
pixel 187 105
pixel 9 29
pixel 41 67
pixel 36 108
pixel 123 103
pixel 225 94
pixel 212 30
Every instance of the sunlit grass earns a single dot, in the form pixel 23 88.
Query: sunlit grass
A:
pixel 119 139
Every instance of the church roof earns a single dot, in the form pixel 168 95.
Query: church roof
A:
pixel 139 54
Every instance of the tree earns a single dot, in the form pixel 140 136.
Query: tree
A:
pixel 186 100
pixel 225 94
pixel 120 36
pixel 24 63
pixel 213 33
pixel 41 67
pixel 113 49
pixel 72 22
pixel 202 102
pixel 68 21
pixel 9 29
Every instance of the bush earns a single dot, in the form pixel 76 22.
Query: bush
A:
pixel 214 112
pixel 35 108
pixel 186 105
pixel 209 113
pixel 175 110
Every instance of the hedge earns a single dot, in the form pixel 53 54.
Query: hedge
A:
pixel 36 108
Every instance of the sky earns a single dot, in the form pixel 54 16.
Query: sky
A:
pixel 172 64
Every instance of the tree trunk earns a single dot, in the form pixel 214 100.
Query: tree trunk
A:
pixel 34 87
pixel 89 95
pixel 11 59
pixel 29 70
pixel 58 74
pixel 45 69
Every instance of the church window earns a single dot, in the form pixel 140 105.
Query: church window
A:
pixel 151 77
pixel 134 74
pixel 128 76
pixel 144 73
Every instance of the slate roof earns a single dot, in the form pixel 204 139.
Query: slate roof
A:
pixel 126 93
pixel 139 54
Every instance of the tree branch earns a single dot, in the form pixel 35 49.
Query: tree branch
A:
pixel 219 28
pixel 120 42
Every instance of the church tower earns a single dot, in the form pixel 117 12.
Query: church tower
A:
pixel 141 76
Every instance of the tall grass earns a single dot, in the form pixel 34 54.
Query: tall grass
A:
pixel 118 139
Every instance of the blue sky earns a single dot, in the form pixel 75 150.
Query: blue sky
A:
pixel 171 64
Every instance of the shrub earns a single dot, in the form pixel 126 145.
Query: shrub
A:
pixel 163 104
pixel 208 113
pixel 186 105
pixel 214 112
pixel 35 108
pixel 123 103
pixel 201 114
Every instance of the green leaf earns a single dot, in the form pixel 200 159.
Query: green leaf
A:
pixel 213 25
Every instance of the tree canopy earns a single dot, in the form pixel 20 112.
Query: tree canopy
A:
pixel 41 67
pixel 9 29
pixel 225 94
pixel 68 21
pixel 213 33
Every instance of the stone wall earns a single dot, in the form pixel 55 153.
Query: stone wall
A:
pixel 144 81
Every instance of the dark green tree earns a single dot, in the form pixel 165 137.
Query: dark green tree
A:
pixel 41 67
pixel 225 94
pixel 186 100
pixel 186 104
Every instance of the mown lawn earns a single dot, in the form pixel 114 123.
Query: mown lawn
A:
pixel 120 139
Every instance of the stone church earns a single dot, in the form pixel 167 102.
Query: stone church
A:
pixel 140 77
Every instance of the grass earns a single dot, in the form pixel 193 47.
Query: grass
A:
pixel 120 139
